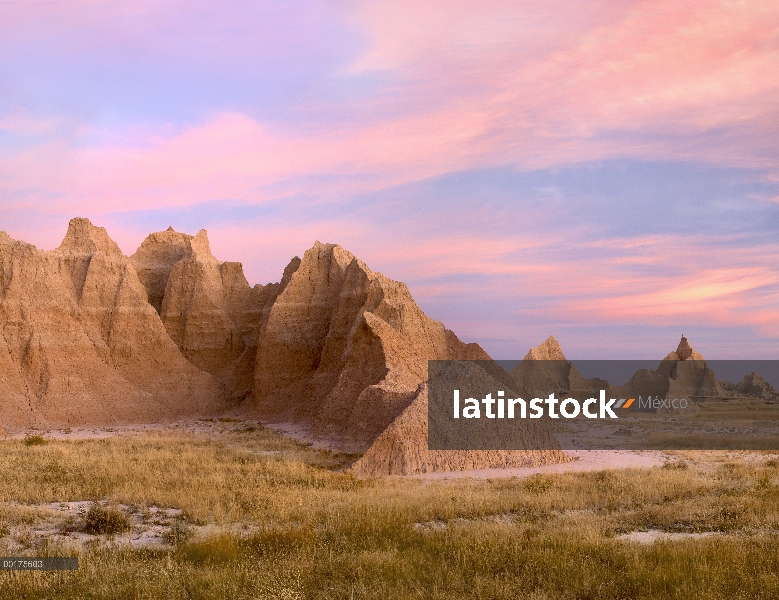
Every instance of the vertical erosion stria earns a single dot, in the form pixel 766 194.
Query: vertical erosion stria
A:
pixel 344 349
pixel 206 305
pixel 89 336
pixel 81 342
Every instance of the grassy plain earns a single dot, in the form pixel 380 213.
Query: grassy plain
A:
pixel 286 523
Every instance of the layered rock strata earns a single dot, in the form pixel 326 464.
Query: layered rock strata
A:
pixel 81 344
pixel 402 450
pixel 207 306
pixel 545 369
pixel 344 349
pixel 681 374
pixel 754 385
pixel 89 336
pixel 684 352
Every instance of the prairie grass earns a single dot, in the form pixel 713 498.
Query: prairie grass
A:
pixel 321 533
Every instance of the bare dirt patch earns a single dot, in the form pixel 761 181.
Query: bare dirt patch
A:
pixel 65 525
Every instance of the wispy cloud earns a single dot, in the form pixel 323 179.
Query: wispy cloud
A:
pixel 469 88
pixel 552 165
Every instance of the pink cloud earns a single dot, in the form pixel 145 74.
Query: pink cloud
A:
pixel 688 284
pixel 698 286
pixel 484 84
pixel 652 67
pixel 24 124
pixel 233 156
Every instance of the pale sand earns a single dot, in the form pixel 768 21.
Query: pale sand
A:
pixel 657 535
pixel 584 460
pixel 301 433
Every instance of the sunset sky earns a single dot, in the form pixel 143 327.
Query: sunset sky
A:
pixel 605 171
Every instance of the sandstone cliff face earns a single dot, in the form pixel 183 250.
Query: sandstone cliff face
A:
pixel 207 306
pixel 154 260
pixel 402 450
pixel 80 342
pixel 89 336
pixel 344 349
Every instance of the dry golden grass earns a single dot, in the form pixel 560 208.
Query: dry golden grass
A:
pixel 325 534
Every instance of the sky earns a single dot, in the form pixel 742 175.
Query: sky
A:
pixel 606 172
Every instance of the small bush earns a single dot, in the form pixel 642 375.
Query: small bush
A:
pixel 179 533
pixel 675 465
pixel 537 484
pixel 4 531
pixel 33 440
pixel 109 521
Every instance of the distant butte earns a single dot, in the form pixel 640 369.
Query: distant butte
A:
pixel 684 352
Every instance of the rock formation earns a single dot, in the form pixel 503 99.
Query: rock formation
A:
pixel 549 350
pixel 207 306
pixel 754 385
pixel 684 352
pixel 344 349
pixel 90 336
pixel 154 260
pixel 402 450
pixel 81 344
pixel 545 369
pixel 681 374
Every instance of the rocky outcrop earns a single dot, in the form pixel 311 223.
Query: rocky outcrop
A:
pixel 684 352
pixel 675 377
pixel 154 260
pixel 548 350
pixel 545 369
pixel 80 342
pixel 207 306
pixel 344 349
pixel 402 450
pixel 89 336
pixel 754 385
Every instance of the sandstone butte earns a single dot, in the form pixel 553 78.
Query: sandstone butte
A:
pixel 402 448
pixel 80 342
pixel 683 373
pixel 92 337
pixel 545 368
